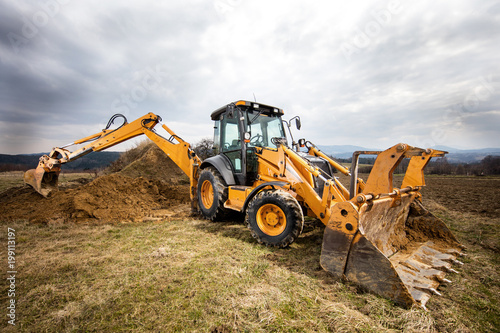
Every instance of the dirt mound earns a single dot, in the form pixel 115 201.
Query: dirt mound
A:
pixel 110 198
pixel 148 185
pixel 149 161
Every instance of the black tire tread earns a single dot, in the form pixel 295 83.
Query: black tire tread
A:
pixel 288 201
pixel 221 190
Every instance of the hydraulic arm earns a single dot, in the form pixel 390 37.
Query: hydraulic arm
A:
pixel 44 178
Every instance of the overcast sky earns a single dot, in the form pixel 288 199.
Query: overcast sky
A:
pixel 367 73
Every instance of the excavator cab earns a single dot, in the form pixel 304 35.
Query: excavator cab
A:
pixel 239 129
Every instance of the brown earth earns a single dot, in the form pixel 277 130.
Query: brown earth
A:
pixel 478 195
pixel 150 187
pixel 149 161
pixel 470 206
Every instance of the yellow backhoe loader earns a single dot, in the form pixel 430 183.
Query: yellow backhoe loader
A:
pixel 376 235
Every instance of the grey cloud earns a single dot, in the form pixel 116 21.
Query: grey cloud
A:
pixel 95 59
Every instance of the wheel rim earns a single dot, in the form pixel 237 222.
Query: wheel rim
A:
pixel 207 194
pixel 271 219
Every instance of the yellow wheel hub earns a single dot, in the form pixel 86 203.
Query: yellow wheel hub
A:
pixel 271 219
pixel 207 194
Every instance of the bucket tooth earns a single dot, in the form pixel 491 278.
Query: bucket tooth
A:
pixel 457 253
pixel 445 281
pixel 421 297
pixel 435 292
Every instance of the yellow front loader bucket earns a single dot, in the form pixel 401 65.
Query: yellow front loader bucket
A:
pixel 386 241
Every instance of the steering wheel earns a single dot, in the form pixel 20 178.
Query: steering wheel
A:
pixel 256 140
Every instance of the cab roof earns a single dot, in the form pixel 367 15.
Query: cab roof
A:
pixel 265 109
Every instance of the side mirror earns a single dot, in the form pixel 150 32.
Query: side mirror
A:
pixel 298 123
pixel 230 111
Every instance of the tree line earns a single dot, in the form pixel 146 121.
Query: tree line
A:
pixel 490 165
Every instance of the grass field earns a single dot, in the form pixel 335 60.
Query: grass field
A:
pixel 191 275
pixel 15 178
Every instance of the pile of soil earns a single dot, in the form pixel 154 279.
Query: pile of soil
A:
pixel 150 187
pixel 151 163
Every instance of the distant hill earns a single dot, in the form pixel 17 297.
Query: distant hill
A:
pixel 91 161
pixel 342 151
pixel 468 155
pixel 102 159
pixel 454 155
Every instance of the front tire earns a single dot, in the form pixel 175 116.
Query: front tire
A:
pixel 212 194
pixel 275 218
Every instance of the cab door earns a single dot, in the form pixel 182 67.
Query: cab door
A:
pixel 232 144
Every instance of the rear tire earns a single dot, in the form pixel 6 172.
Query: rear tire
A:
pixel 275 218
pixel 212 194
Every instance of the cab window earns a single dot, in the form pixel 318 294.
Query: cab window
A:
pixel 263 128
pixel 231 141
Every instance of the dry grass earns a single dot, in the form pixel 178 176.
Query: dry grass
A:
pixel 472 301
pixel 196 276
pixel 181 276
pixel 10 179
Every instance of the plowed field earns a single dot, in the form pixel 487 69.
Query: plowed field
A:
pixel 478 195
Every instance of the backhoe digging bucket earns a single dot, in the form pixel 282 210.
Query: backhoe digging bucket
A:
pixel 390 245
pixel 45 177
pixel 42 181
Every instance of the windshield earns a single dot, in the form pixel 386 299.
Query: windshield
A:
pixel 263 128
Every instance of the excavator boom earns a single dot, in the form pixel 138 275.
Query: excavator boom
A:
pixel 44 179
